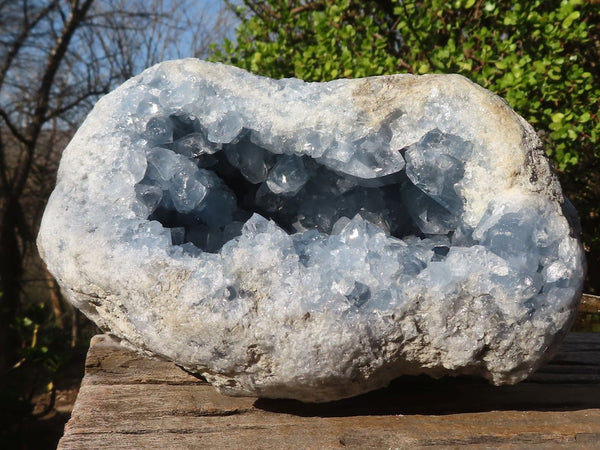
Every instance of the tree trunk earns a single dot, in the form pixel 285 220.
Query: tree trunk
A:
pixel 11 270
pixel 75 327
pixel 55 299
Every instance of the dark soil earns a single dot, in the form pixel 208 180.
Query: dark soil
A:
pixel 45 431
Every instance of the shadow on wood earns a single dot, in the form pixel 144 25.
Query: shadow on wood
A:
pixel 570 381
pixel 127 401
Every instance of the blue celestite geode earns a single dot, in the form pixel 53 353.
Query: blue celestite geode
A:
pixel 314 240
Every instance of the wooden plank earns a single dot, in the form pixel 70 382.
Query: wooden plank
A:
pixel 127 401
pixel 590 304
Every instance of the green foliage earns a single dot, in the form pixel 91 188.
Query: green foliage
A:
pixel 540 55
pixel 315 43
pixel 42 343
pixel 43 352
pixel 587 323
pixel 533 53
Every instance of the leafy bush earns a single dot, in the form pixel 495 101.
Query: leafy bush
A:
pixel 540 55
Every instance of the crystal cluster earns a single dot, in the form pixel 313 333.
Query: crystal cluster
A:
pixel 314 240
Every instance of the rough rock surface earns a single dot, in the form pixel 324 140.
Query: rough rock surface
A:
pixel 314 240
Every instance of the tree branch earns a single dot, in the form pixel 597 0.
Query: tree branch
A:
pixel 13 129
pixel 418 38
pixel 20 40
pixel 52 114
pixel 312 6
pixel 53 62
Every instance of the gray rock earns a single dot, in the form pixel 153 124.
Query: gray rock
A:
pixel 314 240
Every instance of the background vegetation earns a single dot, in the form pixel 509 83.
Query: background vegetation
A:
pixel 542 56
pixel 58 56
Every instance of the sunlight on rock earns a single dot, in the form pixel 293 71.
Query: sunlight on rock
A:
pixel 315 240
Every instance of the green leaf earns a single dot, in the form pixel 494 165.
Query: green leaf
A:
pixel 489 6
pixel 570 18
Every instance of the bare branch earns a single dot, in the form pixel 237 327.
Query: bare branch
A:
pixel 13 129
pixel 56 58
pixel 52 114
pixel 34 127
pixel 20 40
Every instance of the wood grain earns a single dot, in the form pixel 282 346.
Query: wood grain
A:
pixel 128 401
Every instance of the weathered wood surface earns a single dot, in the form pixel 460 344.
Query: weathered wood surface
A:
pixel 127 401
pixel 589 304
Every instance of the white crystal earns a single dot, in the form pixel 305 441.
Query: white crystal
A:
pixel 194 145
pixel 314 240
pixel 287 176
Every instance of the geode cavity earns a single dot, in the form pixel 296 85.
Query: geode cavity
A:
pixel 314 240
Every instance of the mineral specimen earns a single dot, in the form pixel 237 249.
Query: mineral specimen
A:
pixel 314 240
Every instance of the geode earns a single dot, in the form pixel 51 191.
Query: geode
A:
pixel 314 240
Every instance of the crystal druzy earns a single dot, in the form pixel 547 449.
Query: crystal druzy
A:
pixel 314 240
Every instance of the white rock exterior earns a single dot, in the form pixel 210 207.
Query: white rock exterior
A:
pixel 314 240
